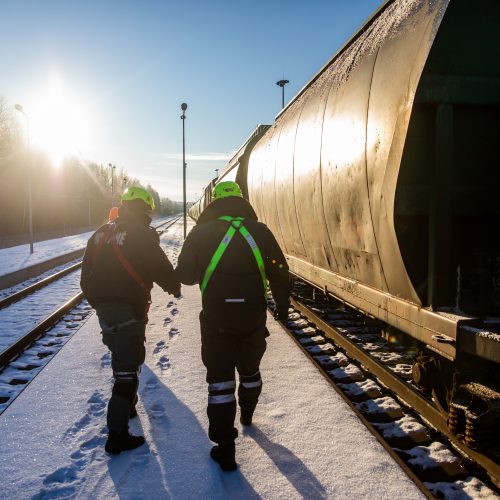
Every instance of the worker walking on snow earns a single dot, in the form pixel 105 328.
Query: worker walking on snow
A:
pixel 122 260
pixel 232 256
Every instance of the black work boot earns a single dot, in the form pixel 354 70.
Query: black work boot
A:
pixel 246 417
pixel 122 441
pixel 224 455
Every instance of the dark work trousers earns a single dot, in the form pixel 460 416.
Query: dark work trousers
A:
pixel 222 352
pixel 124 335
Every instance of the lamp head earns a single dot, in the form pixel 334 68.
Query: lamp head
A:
pixel 184 106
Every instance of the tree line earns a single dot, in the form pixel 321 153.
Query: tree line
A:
pixel 75 196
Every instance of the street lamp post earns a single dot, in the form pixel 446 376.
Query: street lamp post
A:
pixel 30 209
pixel 112 167
pixel 183 118
pixel 282 83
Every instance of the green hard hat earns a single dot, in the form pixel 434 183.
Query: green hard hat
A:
pixel 225 189
pixel 138 193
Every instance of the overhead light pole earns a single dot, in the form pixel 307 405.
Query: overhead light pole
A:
pixel 183 118
pixel 282 83
pixel 112 167
pixel 30 208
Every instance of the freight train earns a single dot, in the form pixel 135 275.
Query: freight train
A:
pixel 380 181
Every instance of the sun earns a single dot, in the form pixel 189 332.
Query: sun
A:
pixel 59 123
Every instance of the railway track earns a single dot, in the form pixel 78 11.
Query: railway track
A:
pixel 37 285
pixel 29 352
pixel 372 372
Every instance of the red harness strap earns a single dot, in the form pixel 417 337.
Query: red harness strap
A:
pixel 127 265
pixel 108 237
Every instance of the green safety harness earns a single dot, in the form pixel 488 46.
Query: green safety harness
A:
pixel 236 224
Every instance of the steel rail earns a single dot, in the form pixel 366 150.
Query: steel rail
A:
pixel 404 466
pixel 54 277
pixel 36 286
pixel 407 394
pixel 169 226
pixel 40 328
pixel 37 331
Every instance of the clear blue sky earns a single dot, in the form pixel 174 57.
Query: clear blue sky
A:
pixel 126 66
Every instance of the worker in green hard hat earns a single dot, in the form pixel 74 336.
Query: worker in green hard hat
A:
pixel 122 260
pixel 232 257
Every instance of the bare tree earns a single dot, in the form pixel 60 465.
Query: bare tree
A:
pixel 10 133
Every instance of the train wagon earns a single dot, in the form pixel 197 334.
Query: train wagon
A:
pixel 379 180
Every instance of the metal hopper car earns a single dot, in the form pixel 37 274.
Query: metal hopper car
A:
pixel 380 180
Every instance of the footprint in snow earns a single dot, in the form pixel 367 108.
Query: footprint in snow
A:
pixel 85 454
pixel 63 483
pixel 106 360
pixel 91 444
pixel 173 332
pixel 96 408
pixel 97 404
pixel 170 304
pixel 157 410
pixel 166 321
pixel 174 311
pixel 79 459
pixel 62 475
pixel 159 347
pixel 140 458
pixel 163 363
pixel 151 384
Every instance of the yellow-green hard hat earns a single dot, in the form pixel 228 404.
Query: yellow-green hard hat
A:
pixel 138 193
pixel 225 189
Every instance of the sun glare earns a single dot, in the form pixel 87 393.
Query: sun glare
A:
pixel 59 123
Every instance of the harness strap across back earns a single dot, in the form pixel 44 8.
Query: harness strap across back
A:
pixel 108 237
pixel 236 224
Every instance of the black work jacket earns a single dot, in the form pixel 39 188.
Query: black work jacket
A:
pixel 105 279
pixel 237 274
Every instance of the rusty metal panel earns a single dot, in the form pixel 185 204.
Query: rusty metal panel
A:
pixel 397 71
pixel 344 183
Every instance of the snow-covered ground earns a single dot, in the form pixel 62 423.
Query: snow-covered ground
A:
pixel 15 258
pixel 305 441
pixel 18 257
pixel 18 318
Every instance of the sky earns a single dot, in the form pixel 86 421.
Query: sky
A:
pixel 105 79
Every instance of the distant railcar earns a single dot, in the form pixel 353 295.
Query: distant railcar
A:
pixel 380 182
pixel 236 170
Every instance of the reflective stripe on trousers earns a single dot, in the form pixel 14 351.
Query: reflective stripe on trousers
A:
pixel 251 381
pixel 221 392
